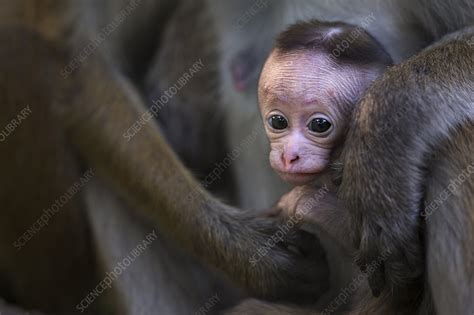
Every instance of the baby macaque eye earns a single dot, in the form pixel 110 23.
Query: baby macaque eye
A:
pixel 278 122
pixel 319 125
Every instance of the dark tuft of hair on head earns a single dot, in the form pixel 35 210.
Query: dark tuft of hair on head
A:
pixel 331 38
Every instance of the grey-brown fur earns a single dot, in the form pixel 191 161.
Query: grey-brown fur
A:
pixel 144 174
pixel 91 109
pixel 392 220
pixel 192 120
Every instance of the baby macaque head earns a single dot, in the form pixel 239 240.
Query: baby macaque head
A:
pixel 308 89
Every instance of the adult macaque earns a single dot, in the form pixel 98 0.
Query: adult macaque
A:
pixel 400 115
pixel 78 119
pixel 308 90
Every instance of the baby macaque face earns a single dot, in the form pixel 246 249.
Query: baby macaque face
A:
pixel 301 102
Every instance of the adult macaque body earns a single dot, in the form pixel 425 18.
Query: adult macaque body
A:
pixel 307 92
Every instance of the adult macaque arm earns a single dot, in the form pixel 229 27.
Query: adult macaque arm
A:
pixel 146 171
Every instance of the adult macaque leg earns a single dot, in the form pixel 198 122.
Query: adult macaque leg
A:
pixel 449 218
pixel 46 246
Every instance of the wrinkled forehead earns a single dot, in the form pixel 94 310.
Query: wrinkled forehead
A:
pixel 300 75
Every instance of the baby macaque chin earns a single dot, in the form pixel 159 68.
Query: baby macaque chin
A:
pixel 298 179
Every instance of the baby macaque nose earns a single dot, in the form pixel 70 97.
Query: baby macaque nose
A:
pixel 289 158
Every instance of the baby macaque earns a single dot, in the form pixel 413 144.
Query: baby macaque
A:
pixel 308 89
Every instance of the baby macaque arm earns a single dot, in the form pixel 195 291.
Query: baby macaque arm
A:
pixel 318 208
